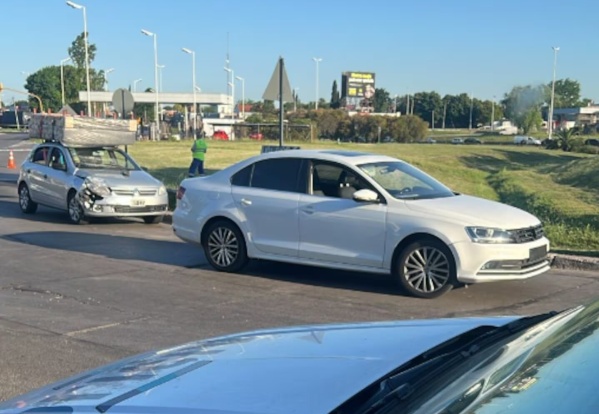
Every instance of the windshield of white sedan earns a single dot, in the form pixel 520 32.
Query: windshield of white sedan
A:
pixel 102 158
pixel 404 181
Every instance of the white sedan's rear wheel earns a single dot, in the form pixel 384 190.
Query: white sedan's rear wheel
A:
pixel 224 246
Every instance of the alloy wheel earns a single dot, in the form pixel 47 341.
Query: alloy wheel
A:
pixel 223 246
pixel 426 269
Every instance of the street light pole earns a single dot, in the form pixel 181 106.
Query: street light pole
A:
pixel 493 114
pixel 62 62
pixel 160 88
pixel 471 106
pixel 242 96
pixel 317 61
pixel 106 72
pixel 157 111
pixel 232 85
pixel 193 84
pixel 135 82
pixel 550 117
pixel 295 99
pixel 80 7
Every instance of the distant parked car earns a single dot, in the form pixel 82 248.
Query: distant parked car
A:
pixel 472 141
pixel 524 140
pixel 430 140
pixel 592 141
pixel 257 136
pixel 457 141
pixel 220 135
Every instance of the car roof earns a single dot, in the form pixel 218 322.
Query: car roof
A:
pixel 336 155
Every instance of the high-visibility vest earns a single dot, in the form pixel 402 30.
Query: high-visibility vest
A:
pixel 199 149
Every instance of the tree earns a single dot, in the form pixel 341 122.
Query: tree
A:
pixel 567 93
pixel 335 97
pixel 381 100
pixel 77 51
pixel 530 121
pixel 427 102
pixel 565 138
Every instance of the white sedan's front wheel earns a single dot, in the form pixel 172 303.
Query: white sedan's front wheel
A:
pixel 426 269
pixel 224 246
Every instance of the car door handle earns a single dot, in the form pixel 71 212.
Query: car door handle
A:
pixel 45 176
pixel 28 171
pixel 308 210
pixel 246 202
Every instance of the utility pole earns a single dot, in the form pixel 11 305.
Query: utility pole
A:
pixel 444 113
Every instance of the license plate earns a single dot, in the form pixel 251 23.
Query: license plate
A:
pixel 137 202
pixel 537 253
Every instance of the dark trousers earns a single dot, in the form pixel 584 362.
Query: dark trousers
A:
pixel 196 165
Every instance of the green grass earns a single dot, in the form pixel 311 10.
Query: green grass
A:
pixel 562 189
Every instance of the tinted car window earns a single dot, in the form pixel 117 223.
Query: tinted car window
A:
pixel 280 174
pixel 242 178
pixel 57 160
pixel 40 156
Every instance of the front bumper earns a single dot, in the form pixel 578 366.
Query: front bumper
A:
pixel 124 206
pixel 477 263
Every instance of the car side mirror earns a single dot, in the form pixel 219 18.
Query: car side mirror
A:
pixel 366 196
pixel 145 168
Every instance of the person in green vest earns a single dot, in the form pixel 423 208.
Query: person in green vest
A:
pixel 198 153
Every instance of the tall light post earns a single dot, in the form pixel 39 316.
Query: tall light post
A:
pixel 135 82
pixel 471 107
pixel 295 99
pixel 239 78
pixel 80 7
pixel 160 88
pixel 62 62
pixel 317 61
pixel 193 84
pixel 493 114
pixel 106 72
pixel 232 85
pixel 157 111
pixel 550 117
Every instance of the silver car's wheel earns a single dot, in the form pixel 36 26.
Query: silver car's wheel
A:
pixel 426 269
pixel 224 246
pixel 27 205
pixel 76 215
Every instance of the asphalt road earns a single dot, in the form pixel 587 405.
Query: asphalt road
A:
pixel 74 297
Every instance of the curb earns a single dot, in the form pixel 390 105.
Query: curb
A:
pixel 562 261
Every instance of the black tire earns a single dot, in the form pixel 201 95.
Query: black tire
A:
pixel 28 206
pixel 224 246
pixel 75 210
pixel 152 219
pixel 425 269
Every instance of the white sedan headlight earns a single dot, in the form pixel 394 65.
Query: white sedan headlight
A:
pixel 97 186
pixel 162 190
pixel 490 235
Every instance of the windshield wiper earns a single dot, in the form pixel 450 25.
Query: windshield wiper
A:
pixel 413 378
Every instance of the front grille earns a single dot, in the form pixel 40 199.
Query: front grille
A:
pixel 528 234
pixel 141 209
pixel 132 192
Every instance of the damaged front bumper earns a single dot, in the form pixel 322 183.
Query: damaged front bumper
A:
pixel 111 205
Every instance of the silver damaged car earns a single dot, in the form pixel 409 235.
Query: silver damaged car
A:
pixel 89 182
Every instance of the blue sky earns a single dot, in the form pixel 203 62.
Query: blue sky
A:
pixel 483 47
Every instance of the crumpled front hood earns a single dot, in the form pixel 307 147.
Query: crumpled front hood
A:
pixel 475 211
pixel 309 369
pixel 120 178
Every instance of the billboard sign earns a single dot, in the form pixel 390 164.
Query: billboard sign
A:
pixel 357 85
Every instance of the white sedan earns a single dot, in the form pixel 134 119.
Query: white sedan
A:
pixel 361 212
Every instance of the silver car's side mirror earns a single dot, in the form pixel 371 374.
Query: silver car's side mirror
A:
pixel 366 195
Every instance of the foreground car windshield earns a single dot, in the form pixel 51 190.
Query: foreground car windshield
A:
pixel 102 158
pixel 404 181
